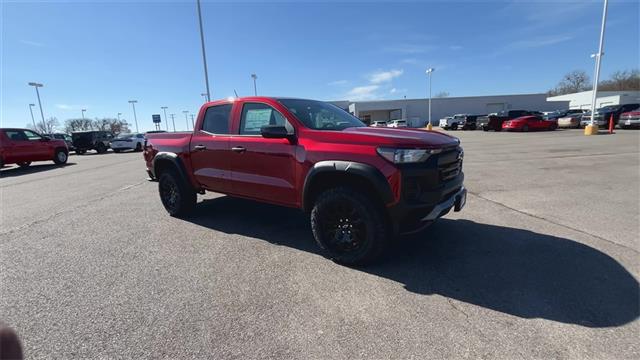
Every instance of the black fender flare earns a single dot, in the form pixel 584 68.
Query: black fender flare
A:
pixel 366 171
pixel 176 162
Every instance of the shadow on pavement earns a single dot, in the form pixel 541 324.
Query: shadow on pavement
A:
pixel 14 170
pixel 510 270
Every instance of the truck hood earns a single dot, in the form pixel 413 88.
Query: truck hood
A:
pixel 402 137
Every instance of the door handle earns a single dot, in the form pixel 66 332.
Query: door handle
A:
pixel 199 148
pixel 238 149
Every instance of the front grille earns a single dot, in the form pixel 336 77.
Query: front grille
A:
pixel 450 164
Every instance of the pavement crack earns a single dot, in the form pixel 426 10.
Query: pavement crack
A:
pixel 552 222
pixel 457 308
pixel 88 202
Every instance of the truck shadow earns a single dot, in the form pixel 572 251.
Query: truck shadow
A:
pixel 14 170
pixel 510 270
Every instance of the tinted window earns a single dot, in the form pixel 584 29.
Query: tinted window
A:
pixel 216 119
pixel 31 135
pixel 320 115
pixel 255 116
pixel 140 136
pixel 16 135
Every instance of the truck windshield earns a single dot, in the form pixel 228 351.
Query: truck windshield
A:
pixel 319 115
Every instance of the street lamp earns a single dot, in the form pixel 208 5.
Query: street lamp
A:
pixel 429 72
pixel 164 108
pixel 204 55
pixel 186 118
pixel 37 85
pixel 204 95
pixel 596 76
pixel 193 124
pixel 254 77
pixel 119 116
pixel 32 119
pixel 173 119
pixel 83 110
pixel 135 118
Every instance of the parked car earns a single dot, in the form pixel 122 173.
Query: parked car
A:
pixel 555 115
pixel 529 123
pixel 470 122
pixel 130 141
pixel 379 124
pixel 360 185
pixel 397 124
pixel 570 121
pixel 603 115
pixel 23 146
pixel 494 121
pixel 64 137
pixel 630 119
pixel 453 122
pixel 91 140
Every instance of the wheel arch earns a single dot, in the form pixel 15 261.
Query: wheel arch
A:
pixel 331 173
pixel 168 160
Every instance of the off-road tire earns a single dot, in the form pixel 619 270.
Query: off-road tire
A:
pixel 177 196
pixel 60 156
pixel 371 232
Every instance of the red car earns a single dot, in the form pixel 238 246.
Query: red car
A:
pixel 22 146
pixel 630 119
pixel 529 123
pixel 360 185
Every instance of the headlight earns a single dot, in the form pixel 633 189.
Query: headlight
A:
pixel 404 156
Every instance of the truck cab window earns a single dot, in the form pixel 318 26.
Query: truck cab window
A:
pixel 216 119
pixel 256 115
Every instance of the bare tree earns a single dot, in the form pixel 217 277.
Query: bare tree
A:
pixel 115 126
pixel 573 82
pixel 621 81
pixel 78 124
pixel 442 94
pixel 49 127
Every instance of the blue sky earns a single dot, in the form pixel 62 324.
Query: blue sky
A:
pixel 99 54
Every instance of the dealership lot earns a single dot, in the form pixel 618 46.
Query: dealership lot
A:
pixel 543 262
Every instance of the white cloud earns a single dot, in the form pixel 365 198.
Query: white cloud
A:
pixel 338 82
pixel 367 92
pixel 384 76
pixel 32 43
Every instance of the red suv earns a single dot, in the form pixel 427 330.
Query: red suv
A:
pixel 360 185
pixel 22 146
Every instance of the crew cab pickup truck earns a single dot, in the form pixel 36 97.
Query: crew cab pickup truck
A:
pixel 23 146
pixel 494 121
pixel 360 185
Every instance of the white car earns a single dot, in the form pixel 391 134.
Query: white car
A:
pixel 379 124
pixel 130 141
pixel 397 124
pixel 454 122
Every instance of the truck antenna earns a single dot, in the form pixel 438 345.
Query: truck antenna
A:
pixel 235 92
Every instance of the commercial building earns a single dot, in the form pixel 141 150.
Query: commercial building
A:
pixel 582 100
pixel 416 111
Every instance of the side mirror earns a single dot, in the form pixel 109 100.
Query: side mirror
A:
pixel 45 138
pixel 275 132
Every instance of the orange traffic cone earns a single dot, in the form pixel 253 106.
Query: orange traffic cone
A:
pixel 611 125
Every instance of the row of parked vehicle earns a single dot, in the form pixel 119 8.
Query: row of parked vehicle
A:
pixel 624 116
pixel 23 146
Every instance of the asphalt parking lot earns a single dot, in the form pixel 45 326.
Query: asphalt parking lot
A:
pixel 542 263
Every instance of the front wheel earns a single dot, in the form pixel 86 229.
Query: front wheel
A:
pixel 60 157
pixel 349 227
pixel 177 196
pixel 24 164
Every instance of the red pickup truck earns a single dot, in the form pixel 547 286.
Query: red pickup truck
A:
pixel 361 185
pixel 22 146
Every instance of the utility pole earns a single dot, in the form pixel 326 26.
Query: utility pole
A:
pixel 164 108
pixel 193 124
pixel 173 119
pixel 32 119
pixel 135 118
pixel 186 118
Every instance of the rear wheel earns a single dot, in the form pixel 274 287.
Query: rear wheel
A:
pixel 138 147
pixel 60 157
pixel 177 196
pixel 349 227
pixel 24 164
pixel 100 148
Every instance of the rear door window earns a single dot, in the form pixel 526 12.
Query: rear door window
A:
pixel 216 119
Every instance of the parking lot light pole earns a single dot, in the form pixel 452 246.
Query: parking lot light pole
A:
pixel 593 127
pixel 119 116
pixel 135 118
pixel 38 85
pixel 173 119
pixel 164 108
pixel 32 118
pixel 186 117
pixel 429 72
pixel 255 91
pixel 83 110
pixel 204 54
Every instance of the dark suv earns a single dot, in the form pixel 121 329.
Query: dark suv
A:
pixel 91 140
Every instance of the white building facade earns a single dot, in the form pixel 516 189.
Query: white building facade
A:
pixel 582 100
